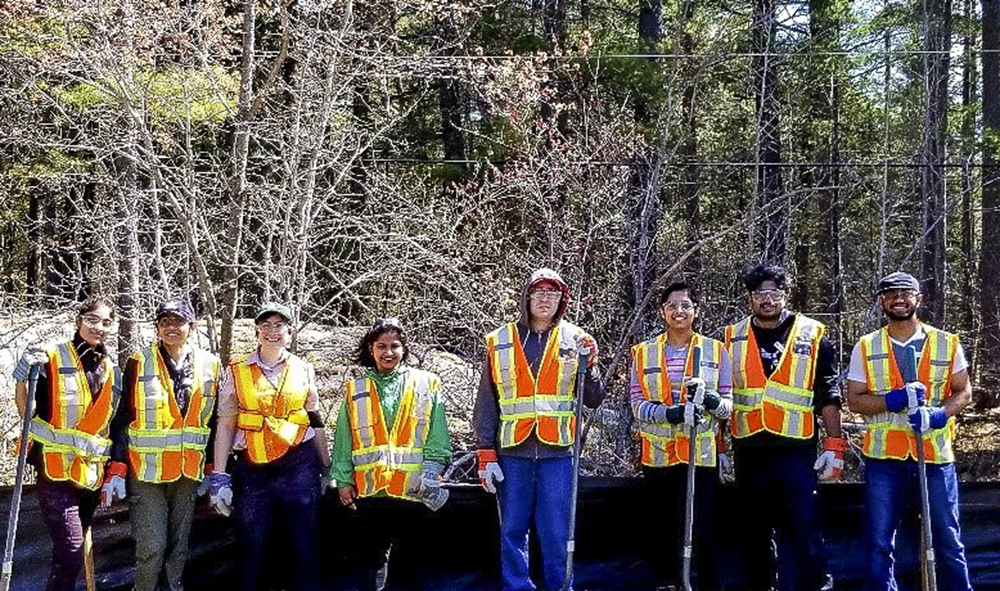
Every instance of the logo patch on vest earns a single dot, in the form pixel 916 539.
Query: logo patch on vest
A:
pixel 567 354
pixel 802 346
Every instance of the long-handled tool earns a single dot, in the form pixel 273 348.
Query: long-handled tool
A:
pixel 571 541
pixel 15 502
pixel 928 576
pixel 695 396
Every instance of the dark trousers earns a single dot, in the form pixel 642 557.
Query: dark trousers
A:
pixel 778 494
pixel 398 529
pixel 68 511
pixel 282 494
pixel 667 491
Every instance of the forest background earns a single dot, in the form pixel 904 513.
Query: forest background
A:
pixel 419 158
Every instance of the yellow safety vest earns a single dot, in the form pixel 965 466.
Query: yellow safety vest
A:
pixel 889 435
pixel 543 405
pixel 75 443
pixel 163 445
pixel 781 403
pixel 666 444
pixel 390 460
pixel 273 419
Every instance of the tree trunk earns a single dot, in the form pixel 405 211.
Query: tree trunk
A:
pixel 989 251
pixel 933 267
pixel 969 84
pixel 771 204
pixel 128 251
pixel 449 93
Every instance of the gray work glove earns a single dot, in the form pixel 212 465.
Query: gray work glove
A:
pixel 431 493
pixel 673 414
pixel 33 355
pixel 221 492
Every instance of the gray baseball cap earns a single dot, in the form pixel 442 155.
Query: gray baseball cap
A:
pixel 898 280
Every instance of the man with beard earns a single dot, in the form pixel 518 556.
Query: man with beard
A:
pixel 878 389
pixel 784 375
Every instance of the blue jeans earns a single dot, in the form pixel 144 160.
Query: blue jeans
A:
pixel 534 493
pixel 283 493
pixel 892 490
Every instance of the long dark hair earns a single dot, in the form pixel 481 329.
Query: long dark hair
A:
pixel 92 303
pixel 363 354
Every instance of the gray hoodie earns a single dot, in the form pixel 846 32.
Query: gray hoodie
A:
pixel 486 413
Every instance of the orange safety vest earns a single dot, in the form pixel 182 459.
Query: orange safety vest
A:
pixel 889 435
pixel 273 419
pixel 666 444
pixel 528 404
pixel 390 460
pixel 781 403
pixel 75 443
pixel 163 445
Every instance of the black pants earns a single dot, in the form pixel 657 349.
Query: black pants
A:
pixel 397 528
pixel 667 490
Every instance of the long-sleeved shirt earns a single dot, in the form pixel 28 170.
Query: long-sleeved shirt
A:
pixel 389 387
pixel 675 359
pixel 771 343
pixel 486 412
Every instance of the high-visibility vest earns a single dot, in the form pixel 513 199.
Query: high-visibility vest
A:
pixel 781 403
pixel 889 434
pixel 163 445
pixel 273 419
pixel 390 460
pixel 543 405
pixel 75 443
pixel 666 444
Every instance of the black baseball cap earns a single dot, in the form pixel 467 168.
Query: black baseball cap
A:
pixel 898 280
pixel 176 307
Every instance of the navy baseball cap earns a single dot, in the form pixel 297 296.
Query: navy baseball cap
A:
pixel 177 307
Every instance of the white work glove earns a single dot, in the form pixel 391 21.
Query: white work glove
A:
pixel 692 410
pixel 914 395
pixel 726 473
pixel 830 463
pixel 114 484
pixel 489 470
pixel 586 345
pixel 221 493
pixel 33 355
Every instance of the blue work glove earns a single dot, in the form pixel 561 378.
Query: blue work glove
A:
pixel 220 495
pixel 204 485
pixel 908 397
pixel 927 418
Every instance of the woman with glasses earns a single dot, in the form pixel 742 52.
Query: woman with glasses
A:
pixel 268 416
pixel 664 371
pixel 76 395
pixel 389 451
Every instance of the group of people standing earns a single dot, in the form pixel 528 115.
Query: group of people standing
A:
pixel 177 424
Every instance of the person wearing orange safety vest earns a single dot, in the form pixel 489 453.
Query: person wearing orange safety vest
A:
pixel 76 396
pixel 525 427
pixel 784 378
pixel 389 451
pixel 268 414
pixel 662 368
pixel 161 431
pixel 896 398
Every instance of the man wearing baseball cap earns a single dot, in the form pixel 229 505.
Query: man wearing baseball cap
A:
pixel 909 378
pixel 161 431
pixel 269 417
pixel 524 425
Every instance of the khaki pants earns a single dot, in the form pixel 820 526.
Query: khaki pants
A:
pixel 161 521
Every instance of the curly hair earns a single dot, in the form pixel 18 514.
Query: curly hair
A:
pixel 762 273
pixel 363 354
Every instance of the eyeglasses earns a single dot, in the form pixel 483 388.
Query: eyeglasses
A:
pixel 682 306
pixel 545 294
pixel 94 321
pixel 273 326
pixel 895 294
pixel 171 321
pixel 769 295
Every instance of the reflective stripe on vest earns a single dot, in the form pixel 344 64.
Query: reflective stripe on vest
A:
pixel 666 444
pixel 543 405
pixel 384 460
pixel 889 435
pixel 163 445
pixel 75 443
pixel 782 403
pixel 273 419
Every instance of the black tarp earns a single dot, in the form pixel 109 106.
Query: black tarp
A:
pixel 616 523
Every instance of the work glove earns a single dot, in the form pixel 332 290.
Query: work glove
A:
pixel 489 470
pixel 726 473
pixel 673 413
pixel 712 400
pixel 33 355
pixel 924 419
pixel 204 485
pixel 114 483
pixel 909 396
pixel 585 344
pixel 325 481
pixel 220 494
pixel 830 463
pixel 431 493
